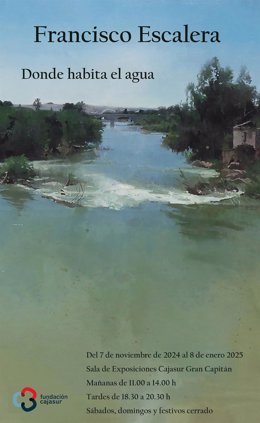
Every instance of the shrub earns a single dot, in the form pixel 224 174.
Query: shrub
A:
pixel 245 154
pixel 253 171
pixel 253 188
pixel 15 168
pixel 217 165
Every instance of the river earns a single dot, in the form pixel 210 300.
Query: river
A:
pixel 136 265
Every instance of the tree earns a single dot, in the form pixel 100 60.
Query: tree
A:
pixel 7 103
pixel 37 104
pixel 215 103
pixel 79 106
pixel 68 106
pixel 54 130
pixel 247 97
pixel 23 131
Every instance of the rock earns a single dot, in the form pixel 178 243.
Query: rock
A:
pixel 234 165
pixel 233 173
pixel 201 163
pixel 201 188
pixel 194 191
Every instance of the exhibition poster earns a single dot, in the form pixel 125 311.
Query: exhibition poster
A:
pixel 129 207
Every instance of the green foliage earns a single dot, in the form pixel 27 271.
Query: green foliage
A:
pixel 252 189
pixel 15 168
pixel 79 106
pixel 217 164
pixel 37 104
pixel 162 120
pixel 22 131
pixel 188 155
pixel 54 131
pixel 68 106
pixel 6 103
pixel 41 132
pixel 216 102
pixel 79 128
pixel 245 154
pixel 204 123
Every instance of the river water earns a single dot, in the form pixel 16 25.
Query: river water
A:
pixel 137 264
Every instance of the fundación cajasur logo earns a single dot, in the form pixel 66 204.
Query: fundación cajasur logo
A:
pixel 21 394
pixel 26 399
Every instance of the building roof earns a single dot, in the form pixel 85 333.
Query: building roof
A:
pixel 248 124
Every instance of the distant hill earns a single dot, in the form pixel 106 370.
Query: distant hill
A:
pixel 90 109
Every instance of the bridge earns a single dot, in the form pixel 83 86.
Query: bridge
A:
pixel 119 117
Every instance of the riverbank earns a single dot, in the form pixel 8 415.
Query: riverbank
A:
pixel 75 181
pixel 192 185
pixel 198 183
pixel 40 134
pixel 233 177
pixel 242 176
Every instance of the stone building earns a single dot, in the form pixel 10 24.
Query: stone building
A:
pixel 246 133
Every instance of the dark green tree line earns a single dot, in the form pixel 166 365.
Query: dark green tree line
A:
pixel 36 133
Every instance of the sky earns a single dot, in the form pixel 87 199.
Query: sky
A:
pixel 174 65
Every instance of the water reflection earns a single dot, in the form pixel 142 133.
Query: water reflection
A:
pixel 201 222
pixel 16 196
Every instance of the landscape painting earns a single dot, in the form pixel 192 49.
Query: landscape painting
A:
pixel 130 211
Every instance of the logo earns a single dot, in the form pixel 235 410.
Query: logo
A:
pixel 23 405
